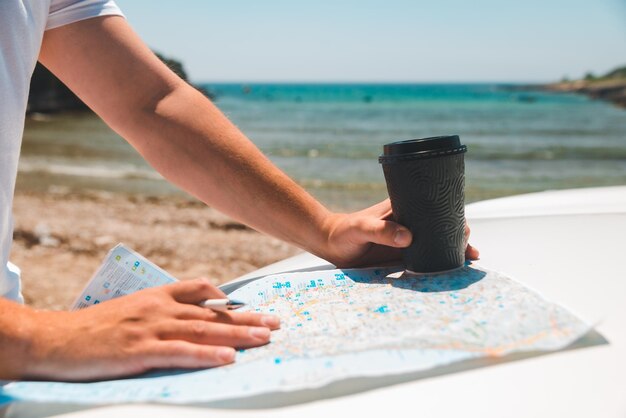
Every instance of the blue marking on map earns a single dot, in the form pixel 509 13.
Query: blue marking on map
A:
pixel 382 309
pixel 278 285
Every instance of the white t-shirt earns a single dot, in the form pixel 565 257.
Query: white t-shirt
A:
pixel 22 24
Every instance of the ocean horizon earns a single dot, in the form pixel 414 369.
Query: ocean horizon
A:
pixel 328 136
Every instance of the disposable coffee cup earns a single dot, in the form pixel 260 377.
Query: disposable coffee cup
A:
pixel 426 185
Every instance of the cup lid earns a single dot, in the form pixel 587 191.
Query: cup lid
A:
pixel 422 148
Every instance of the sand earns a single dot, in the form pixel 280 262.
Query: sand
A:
pixel 61 238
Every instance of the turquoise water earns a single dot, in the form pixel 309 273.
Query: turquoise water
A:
pixel 328 137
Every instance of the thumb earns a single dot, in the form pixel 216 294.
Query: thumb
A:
pixel 384 232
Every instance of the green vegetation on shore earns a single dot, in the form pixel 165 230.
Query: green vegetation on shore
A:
pixel 610 86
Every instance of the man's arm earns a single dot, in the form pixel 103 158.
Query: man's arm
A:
pixel 188 140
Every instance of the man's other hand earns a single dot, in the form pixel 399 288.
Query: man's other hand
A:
pixel 155 328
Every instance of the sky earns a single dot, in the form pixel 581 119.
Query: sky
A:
pixel 384 41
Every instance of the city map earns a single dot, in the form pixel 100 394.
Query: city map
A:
pixel 342 324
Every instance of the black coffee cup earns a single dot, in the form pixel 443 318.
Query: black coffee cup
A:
pixel 426 185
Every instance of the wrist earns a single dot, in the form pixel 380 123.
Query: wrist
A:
pixel 44 337
pixel 311 230
pixel 16 344
pixel 327 229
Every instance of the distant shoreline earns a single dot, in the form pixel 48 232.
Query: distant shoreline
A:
pixel 610 87
pixel 613 91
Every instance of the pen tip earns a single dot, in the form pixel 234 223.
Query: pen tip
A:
pixel 235 302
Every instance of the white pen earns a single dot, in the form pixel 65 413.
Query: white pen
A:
pixel 222 304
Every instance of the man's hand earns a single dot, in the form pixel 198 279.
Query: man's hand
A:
pixel 155 328
pixel 370 237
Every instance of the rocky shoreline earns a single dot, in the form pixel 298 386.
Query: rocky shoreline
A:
pixel 610 87
pixel 613 91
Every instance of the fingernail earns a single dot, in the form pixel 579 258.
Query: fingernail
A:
pixel 260 333
pixel 270 321
pixel 226 354
pixel 402 237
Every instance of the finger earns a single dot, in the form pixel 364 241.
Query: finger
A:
pixel 466 235
pixel 194 291
pixel 471 253
pixel 229 317
pixel 214 333
pixel 383 232
pixel 380 210
pixel 183 354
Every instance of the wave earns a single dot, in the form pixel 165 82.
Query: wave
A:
pixel 96 171
pixel 345 186
pixel 475 152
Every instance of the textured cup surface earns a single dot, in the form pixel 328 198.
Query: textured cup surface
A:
pixel 427 193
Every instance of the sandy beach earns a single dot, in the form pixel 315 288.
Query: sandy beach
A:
pixel 60 239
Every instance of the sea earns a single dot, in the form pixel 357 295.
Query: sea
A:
pixel 328 138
